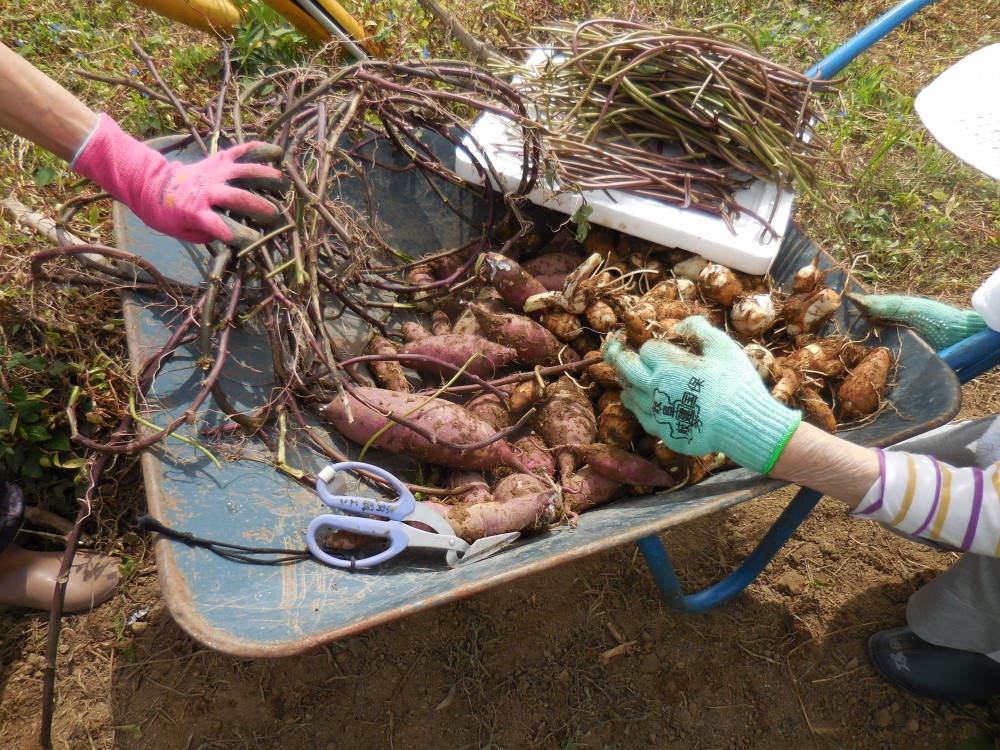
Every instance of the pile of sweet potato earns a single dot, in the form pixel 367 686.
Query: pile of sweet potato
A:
pixel 531 429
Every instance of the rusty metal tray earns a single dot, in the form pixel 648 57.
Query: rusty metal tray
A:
pixel 252 610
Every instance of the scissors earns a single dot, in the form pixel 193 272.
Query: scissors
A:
pixel 396 529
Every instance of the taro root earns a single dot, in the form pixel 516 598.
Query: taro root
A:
pixel 602 241
pixel 601 316
pixel 860 393
pixel 687 469
pixel 719 284
pixel 829 357
pixel 690 268
pixel 763 361
pixel 525 395
pixel 753 314
pixel 787 387
pixel 808 311
pixel 616 425
pixel 817 411
pixel 808 278
pixel 602 373
pixel 565 326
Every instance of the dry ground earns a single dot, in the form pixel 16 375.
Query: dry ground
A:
pixel 583 656
pixel 530 664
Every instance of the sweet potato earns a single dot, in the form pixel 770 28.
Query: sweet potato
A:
pixel 489 408
pixel 440 324
pixel 534 455
pixel 534 344
pixel 387 374
pixel 513 283
pixel 440 418
pixel 566 419
pixel 419 275
pixel 553 282
pixel 466 323
pixel 521 502
pixel 553 264
pixel 414 331
pixel 484 357
pixel 586 489
pixel 622 466
pixel 479 492
pixel 860 393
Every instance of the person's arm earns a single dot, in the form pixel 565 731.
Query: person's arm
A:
pixel 35 107
pixel 824 462
pixel 716 401
pixel 185 201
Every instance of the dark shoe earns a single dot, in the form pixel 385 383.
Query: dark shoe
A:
pixel 937 672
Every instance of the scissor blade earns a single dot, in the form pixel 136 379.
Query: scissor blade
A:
pixel 487 546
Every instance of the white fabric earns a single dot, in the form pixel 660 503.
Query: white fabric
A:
pixel 961 109
pixel 986 300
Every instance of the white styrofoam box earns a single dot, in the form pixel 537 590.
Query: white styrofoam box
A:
pixel 747 247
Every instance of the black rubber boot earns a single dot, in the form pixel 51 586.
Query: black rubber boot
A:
pixel 11 510
pixel 937 672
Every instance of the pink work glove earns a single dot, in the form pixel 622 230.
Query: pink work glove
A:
pixel 179 199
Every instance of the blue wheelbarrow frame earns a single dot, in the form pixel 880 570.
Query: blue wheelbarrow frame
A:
pixel 256 611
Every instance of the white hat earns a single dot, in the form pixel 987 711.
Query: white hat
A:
pixel 961 109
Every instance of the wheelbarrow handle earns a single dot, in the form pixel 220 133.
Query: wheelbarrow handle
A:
pixel 837 60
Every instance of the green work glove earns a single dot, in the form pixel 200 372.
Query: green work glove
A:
pixel 938 324
pixel 698 404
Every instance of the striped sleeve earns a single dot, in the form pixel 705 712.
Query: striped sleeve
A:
pixel 922 496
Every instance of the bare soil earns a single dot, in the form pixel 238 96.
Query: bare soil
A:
pixel 585 656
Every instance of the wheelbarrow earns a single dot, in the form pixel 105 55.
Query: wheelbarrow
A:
pixel 237 495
